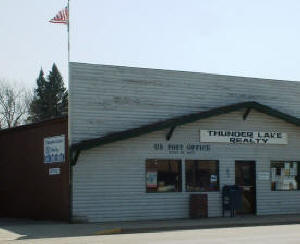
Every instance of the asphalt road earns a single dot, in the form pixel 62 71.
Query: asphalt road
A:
pixel 277 234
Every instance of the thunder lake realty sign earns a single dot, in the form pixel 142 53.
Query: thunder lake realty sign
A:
pixel 243 137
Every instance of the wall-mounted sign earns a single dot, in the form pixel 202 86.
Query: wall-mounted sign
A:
pixel 54 171
pixel 174 148
pixel 243 137
pixel 54 149
pixel 263 175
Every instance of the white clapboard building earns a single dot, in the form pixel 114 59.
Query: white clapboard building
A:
pixel 144 140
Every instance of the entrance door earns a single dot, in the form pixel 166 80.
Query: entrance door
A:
pixel 245 178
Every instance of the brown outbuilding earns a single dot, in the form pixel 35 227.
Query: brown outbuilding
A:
pixel 31 185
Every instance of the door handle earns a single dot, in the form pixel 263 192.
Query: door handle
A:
pixel 247 188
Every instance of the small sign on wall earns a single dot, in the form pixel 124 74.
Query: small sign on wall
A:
pixel 54 171
pixel 180 148
pixel 263 175
pixel 54 149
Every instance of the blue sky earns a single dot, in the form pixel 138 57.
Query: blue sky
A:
pixel 256 38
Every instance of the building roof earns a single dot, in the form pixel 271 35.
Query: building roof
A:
pixel 34 125
pixel 177 121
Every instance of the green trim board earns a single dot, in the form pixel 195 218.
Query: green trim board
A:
pixel 181 120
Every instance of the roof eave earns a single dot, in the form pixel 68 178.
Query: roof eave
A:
pixel 131 133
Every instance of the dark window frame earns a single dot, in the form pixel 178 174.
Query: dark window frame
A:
pixel 297 176
pixel 180 161
pixel 201 160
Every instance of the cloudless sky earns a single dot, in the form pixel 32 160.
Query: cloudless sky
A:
pixel 254 38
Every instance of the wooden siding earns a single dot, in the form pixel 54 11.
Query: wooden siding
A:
pixel 27 190
pixel 109 181
pixel 112 98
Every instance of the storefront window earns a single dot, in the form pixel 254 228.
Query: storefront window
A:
pixel 163 175
pixel 201 175
pixel 285 175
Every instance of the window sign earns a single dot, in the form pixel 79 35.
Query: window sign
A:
pixel 151 179
pixel 285 175
pixel 213 178
pixel 163 175
pixel 243 137
pixel 54 149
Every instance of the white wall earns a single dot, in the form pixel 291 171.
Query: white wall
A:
pixel 109 181
pixel 111 98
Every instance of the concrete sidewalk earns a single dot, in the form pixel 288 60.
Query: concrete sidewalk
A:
pixel 12 229
pixel 201 223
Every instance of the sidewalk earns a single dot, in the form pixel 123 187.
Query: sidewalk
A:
pixel 201 223
pixel 14 229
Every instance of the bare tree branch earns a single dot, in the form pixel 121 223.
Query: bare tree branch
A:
pixel 14 105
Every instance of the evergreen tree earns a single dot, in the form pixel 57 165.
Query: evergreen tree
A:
pixel 50 97
pixel 38 105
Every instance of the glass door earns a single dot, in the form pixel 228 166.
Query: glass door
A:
pixel 245 178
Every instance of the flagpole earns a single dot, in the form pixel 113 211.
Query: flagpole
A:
pixel 69 34
pixel 69 126
pixel 63 17
pixel 69 79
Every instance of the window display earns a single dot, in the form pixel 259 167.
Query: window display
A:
pixel 163 175
pixel 285 175
pixel 201 175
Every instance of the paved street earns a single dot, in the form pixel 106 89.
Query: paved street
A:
pixel 276 234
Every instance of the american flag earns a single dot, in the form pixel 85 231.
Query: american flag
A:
pixel 62 17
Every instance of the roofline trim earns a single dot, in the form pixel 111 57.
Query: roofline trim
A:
pixel 33 125
pixel 177 121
